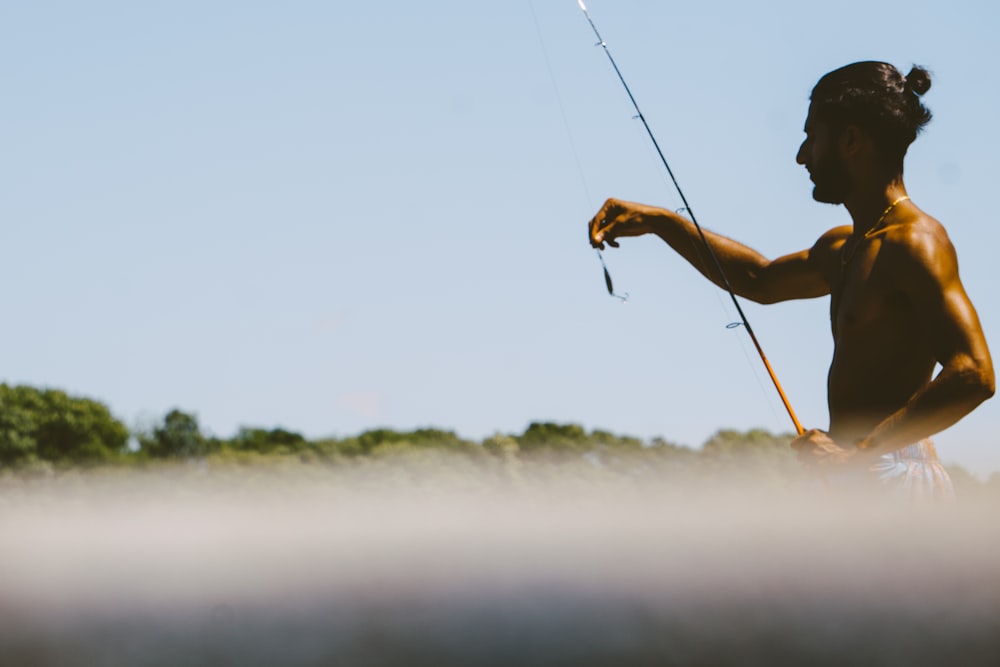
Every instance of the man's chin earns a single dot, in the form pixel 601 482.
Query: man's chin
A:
pixel 826 197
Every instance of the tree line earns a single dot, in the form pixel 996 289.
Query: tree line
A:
pixel 48 427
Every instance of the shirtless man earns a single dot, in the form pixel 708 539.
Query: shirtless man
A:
pixel 897 305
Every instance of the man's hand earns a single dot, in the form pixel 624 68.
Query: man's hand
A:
pixel 619 218
pixel 816 449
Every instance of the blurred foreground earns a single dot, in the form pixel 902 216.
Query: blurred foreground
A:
pixel 433 558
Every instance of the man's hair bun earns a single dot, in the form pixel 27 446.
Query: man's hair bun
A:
pixel 918 80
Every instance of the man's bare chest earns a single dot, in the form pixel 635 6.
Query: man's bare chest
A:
pixel 866 301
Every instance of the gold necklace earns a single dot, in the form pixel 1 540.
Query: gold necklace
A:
pixel 846 255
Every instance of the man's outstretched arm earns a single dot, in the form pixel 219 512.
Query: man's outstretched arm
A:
pixel 751 275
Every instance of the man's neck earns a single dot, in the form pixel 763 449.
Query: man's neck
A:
pixel 868 205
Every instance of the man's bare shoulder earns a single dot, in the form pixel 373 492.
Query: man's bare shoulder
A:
pixel 825 252
pixel 918 236
pixel 918 246
pixel 834 237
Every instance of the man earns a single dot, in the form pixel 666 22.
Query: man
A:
pixel 897 305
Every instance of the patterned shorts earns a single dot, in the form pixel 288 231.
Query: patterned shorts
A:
pixel 912 475
pixel 915 473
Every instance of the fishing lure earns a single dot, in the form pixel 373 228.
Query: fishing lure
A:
pixel 607 280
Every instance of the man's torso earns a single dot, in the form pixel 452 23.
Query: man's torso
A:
pixel 882 351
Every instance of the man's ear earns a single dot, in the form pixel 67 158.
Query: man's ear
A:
pixel 852 141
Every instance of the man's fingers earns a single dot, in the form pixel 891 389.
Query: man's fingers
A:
pixel 600 224
pixel 802 444
pixel 597 237
pixel 600 236
pixel 594 233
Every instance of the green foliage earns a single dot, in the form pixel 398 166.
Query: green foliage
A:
pixel 618 443
pixel 551 437
pixel 42 428
pixel 263 441
pixel 757 451
pixel 178 437
pixel 49 425
pixel 753 442
pixel 384 440
pixel 18 425
pixel 572 440
pixel 501 445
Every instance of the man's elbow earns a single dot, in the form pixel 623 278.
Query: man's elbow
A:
pixel 988 384
pixel 971 378
pixel 757 291
pixel 763 297
pixel 752 286
pixel 981 380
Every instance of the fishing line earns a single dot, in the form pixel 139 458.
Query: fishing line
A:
pixel 711 252
pixel 576 155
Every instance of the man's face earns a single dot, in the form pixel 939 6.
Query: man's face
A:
pixel 821 158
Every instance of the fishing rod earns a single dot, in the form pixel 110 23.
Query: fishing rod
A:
pixel 718 265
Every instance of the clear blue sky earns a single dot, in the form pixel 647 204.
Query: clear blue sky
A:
pixel 333 216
